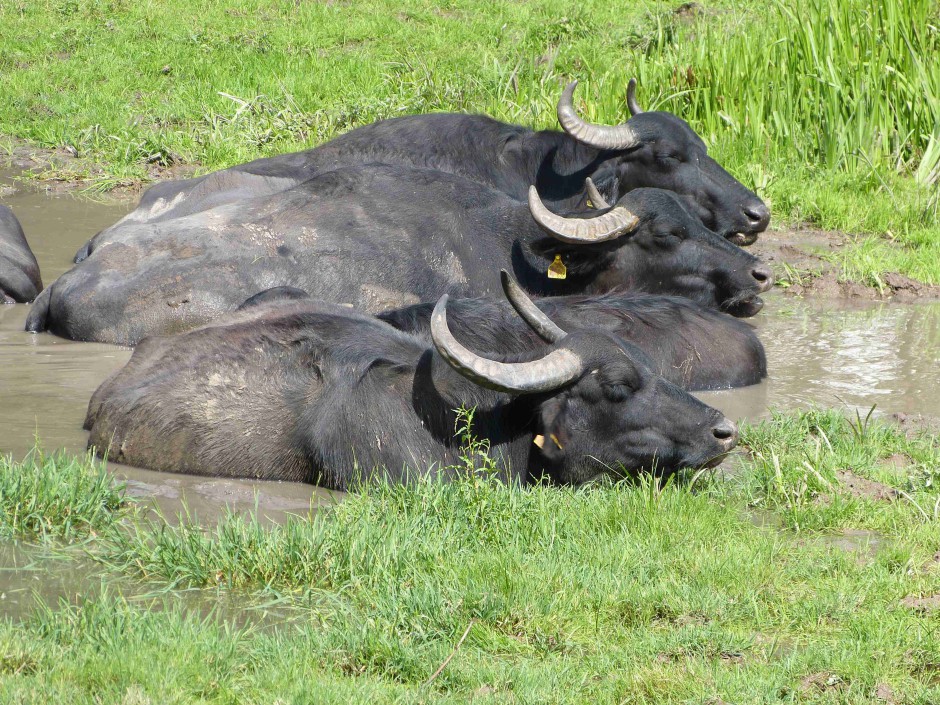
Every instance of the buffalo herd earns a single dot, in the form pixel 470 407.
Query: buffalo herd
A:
pixel 325 316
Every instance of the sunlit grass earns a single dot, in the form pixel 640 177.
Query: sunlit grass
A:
pixel 620 592
pixel 56 496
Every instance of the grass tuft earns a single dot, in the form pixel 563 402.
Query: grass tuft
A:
pixel 56 496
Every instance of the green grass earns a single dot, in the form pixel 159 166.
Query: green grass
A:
pixel 831 111
pixel 627 592
pixel 56 496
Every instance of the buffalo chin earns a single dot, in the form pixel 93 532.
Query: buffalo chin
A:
pixel 745 309
pixel 702 462
pixel 714 462
pixel 742 239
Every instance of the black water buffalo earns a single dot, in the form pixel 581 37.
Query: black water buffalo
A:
pixel 313 392
pixel 695 348
pixel 19 272
pixel 379 237
pixel 652 149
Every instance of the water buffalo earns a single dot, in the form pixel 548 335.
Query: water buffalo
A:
pixel 379 237
pixel 695 348
pixel 19 272
pixel 309 391
pixel 652 149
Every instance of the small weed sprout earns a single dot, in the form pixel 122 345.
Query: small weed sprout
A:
pixel 860 426
pixel 474 458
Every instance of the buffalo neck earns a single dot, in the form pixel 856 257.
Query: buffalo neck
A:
pixel 558 166
pixel 530 267
pixel 506 421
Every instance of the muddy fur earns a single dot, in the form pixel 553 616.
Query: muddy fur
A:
pixel 361 236
pixel 19 272
pixel 313 392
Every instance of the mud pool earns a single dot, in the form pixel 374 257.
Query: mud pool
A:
pixel 818 352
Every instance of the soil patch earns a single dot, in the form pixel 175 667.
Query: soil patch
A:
pixel 864 488
pixel 915 424
pixel 689 11
pixel 802 248
pixel 799 257
pixel 896 461
pixel 885 693
pixel 818 682
pixel 922 604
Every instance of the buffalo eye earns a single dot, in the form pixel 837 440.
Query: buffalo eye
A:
pixel 669 157
pixel 670 237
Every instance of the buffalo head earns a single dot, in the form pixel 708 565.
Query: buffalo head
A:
pixel 599 408
pixel 660 150
pixel 649 241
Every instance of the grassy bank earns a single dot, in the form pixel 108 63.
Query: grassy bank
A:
pixel 830 112
pixel 616 593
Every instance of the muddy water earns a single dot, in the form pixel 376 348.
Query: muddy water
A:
pixel 32 575
pixel 854 357
pixel 56 225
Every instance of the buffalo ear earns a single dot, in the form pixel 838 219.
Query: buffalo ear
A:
pixel 554 429
pixel 578 259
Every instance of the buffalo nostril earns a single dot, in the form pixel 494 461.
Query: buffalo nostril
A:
pixel 726 432
pixel 758 214
pixel 763 276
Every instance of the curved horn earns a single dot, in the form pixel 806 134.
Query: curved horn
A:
pixel 600 136
pixel 528 311
pixel 596 198
pixel 551 372
pixel 609 226
pixel 635 108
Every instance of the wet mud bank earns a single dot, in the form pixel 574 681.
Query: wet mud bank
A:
pixel 801 260
pixel 63 171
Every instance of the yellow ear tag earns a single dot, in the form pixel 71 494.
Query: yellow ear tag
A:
pixel 539 440
pixel 557 269
pixel 589 203
pixel 556 441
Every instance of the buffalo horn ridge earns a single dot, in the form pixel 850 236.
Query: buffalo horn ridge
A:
pixel 556 369
pixel 608 226
pixel 528 311
pixel 599 136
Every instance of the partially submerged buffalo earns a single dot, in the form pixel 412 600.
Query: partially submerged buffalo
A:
pixel 695 348
pixel 651 150
pixel 19 272
pixel 379 237
pixel 313 392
